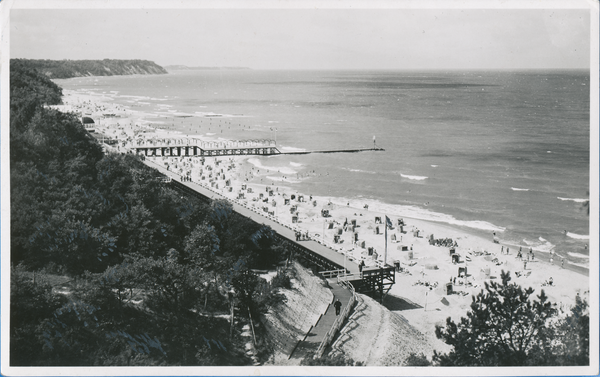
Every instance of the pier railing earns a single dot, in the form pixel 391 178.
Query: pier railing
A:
pixel 332 273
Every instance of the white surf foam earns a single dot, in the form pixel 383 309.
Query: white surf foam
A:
pixel 543 245
pixel 413 177
pixel 136 97
pixel 359 171
pixel 414 212
pixel 579 264
pixel 578 236
pixel 574 200
pixel 577 255
pixel 281 179
pixel 434 166
pixel 295 164
pixel 283 170
pixel 518 189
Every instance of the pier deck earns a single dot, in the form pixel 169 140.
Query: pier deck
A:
pixel 187 150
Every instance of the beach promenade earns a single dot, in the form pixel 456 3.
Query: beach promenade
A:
pixel 318 332
pixel 336 259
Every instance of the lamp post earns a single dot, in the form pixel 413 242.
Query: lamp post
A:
pixel 344 264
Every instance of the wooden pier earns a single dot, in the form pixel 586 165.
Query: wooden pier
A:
pixel 195 147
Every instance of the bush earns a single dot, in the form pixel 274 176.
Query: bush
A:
pixel 281 280
pixel 338 360
pixel 415 360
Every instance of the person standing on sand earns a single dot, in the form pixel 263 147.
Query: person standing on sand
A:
pixel 338 306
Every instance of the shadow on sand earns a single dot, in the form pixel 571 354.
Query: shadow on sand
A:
pixel 399 303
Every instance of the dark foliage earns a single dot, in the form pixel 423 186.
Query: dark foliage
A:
pixel 339 360
pixel 281 280
pixel 63 69
pixel 31 303
pixel 573 335
pixel 148 267
pixel 506 327
pixel 414 360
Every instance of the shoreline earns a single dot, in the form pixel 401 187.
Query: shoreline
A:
pixel 421 262
pixel 147 129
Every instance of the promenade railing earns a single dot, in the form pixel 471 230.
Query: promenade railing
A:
pixel 332 273
pixel 339 321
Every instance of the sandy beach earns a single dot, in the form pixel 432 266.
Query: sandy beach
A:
pixel 423 250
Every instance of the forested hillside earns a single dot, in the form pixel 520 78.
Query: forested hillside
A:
pixel 63 69
pixel 151 276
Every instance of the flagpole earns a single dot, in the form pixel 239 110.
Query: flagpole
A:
pixel 385 254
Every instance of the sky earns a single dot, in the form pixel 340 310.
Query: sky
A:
pixel 310 38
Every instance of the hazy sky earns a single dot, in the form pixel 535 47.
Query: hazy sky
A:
pixel 310 38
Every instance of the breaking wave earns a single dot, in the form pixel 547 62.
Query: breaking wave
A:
pixel 413 177
pixel 574 200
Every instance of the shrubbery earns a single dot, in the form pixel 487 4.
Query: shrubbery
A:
pixel 145 279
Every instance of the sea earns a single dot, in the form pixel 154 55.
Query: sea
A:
pixel 504 152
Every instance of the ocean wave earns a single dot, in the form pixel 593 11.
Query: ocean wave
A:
pixel 579 264
pixel 210 133
pixel 544 245
pixel 577 255
pixel 283 170
pixel 414 212
pixel 413 177
pixel 578 236
pixel 518 189
pixel 574 200
pixel 295 164
pixel 434 166
pixel 136 97
pixel 359 171
pixel 281 179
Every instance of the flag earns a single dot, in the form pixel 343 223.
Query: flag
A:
pixel 387 223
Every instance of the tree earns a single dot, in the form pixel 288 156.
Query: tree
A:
pixel 417 360
pixel 571 345
pixel 30 303
pixel 503 328
pixel 338 360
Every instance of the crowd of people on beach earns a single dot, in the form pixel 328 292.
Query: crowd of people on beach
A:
pixel 195 169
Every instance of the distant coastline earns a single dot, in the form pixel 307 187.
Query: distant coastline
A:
pixel 65 69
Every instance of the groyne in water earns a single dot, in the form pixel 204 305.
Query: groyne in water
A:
pixel 375 149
